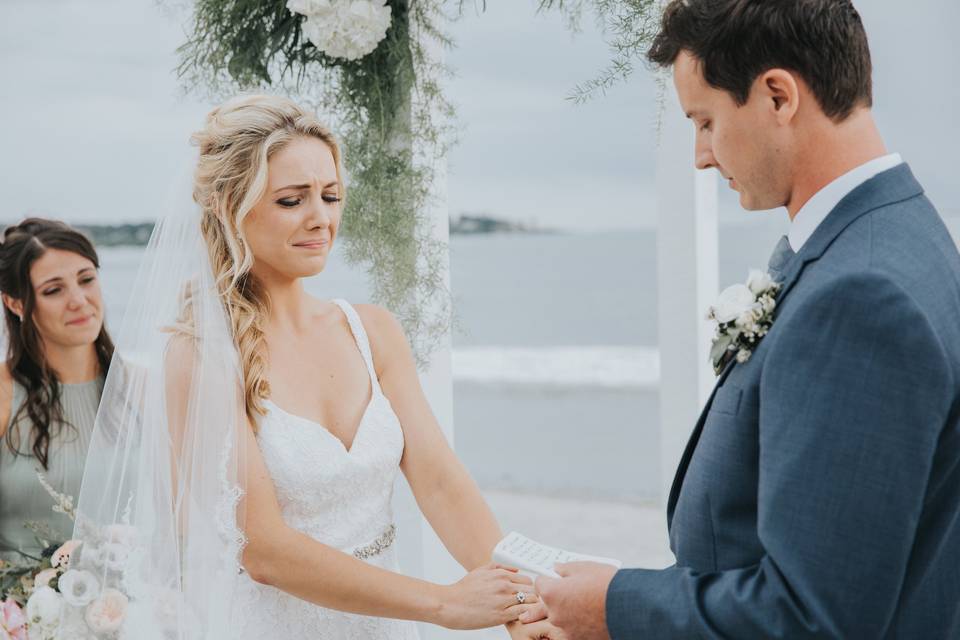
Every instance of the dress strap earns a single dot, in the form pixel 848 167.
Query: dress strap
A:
pixel 360 336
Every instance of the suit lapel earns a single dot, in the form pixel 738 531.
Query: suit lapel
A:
pixel 895 185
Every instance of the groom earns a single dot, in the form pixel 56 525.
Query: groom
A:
pixel 819 496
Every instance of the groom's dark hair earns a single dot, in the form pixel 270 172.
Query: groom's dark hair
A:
pixel 735 41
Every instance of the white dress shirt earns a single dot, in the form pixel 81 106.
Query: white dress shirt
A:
pixel 824 201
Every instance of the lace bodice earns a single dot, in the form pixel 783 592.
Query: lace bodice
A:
pixel 340 497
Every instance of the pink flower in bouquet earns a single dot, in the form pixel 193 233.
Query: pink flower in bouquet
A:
pixel 13 622
pixel 61 557
pixel 106 613
pixel 43 578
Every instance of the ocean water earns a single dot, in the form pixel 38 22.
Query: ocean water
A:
pixel 555 358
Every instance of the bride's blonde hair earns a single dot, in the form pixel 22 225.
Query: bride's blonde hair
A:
pixel 239 138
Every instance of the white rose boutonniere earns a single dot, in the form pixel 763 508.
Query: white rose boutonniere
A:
pixel 744 315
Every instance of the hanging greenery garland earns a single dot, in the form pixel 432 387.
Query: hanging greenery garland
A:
pixel 628 26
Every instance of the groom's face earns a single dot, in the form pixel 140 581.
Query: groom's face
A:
pixel 742 142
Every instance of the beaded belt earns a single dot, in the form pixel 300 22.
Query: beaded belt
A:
pixel 378 546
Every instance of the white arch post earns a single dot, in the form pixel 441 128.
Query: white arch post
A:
pixel 688 279
pixel 422 553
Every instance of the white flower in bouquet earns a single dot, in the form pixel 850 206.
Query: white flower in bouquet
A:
pixel 106 613
pixel 43 612
pixel 115 555
pixel 91 555
pixel 348 29
pixel 733 302
pixel 79 588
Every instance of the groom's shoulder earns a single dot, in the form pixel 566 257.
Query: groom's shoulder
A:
pixel 913 232
pixel 896 265
pixel 868 314
pixel 904 242
pixel 893 232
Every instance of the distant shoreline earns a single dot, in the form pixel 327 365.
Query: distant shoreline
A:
pixel 138 234
pixel 472 224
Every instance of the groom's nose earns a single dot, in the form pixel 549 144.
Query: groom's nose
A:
pixel 703 157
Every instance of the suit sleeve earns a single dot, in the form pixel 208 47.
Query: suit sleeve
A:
pixel 854 393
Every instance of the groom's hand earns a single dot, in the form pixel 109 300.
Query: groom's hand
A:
pixel 577 602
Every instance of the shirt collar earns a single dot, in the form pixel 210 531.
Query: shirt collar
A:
pixel 824 201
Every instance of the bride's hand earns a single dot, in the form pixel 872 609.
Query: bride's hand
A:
pixel 486 597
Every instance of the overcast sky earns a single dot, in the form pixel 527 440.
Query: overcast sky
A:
pixel 94 126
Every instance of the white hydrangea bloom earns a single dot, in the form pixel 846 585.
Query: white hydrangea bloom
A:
pixel 310 7
pixel 348 29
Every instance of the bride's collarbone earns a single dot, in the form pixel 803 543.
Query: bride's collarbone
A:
pixel 319 374
pixel 329 389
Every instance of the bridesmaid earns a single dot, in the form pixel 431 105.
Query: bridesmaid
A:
pixel 50 385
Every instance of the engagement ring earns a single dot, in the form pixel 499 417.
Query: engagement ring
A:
pixel 521 597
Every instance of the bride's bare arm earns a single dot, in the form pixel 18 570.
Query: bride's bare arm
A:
pixel 291 561
pixel 445 492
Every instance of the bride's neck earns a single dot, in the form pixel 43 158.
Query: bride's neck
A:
pixel 290 306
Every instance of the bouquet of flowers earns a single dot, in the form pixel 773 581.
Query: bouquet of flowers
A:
pixel 33 591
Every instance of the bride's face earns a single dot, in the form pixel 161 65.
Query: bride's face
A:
pixel 292 228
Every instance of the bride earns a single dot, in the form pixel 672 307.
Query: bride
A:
pixel 242 466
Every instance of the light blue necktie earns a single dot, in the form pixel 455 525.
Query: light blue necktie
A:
pixel 782 254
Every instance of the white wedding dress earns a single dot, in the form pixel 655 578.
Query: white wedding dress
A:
pixel 338 496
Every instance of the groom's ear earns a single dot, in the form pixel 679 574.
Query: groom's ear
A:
pixel 780 92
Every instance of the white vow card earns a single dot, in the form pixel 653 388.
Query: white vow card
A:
pixel 534 559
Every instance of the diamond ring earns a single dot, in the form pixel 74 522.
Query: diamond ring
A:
pixel 521 597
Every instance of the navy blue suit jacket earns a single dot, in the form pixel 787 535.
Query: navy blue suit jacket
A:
pixel 819 496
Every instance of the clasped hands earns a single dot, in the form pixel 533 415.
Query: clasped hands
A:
pixel 571 607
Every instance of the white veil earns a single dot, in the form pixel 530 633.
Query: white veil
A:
pixel 159 515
